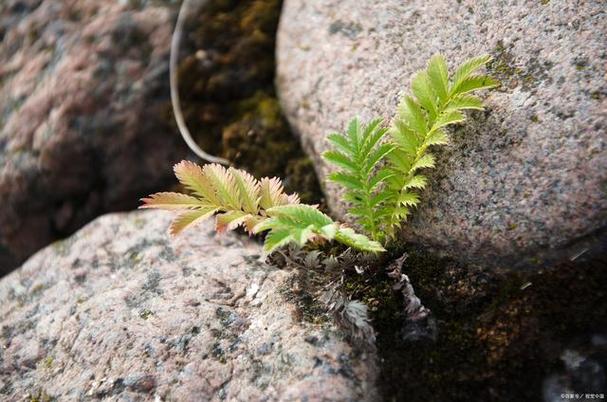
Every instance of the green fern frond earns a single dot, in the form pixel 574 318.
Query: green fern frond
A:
pixel 357 154
pixel 302 223
pixel 383 197
pixel 438 101
pixel 358 241
pixel 237 199
pixel 295 224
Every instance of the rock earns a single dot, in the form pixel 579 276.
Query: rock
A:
pixel 85 123
pixel 121 311
pixel 584 373
pixel 521 183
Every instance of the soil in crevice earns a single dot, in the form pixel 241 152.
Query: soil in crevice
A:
pixel 501 335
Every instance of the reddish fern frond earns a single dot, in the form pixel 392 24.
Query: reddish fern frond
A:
pixel 234 195
pixel 188 218
pixel 238 199
pixel 172 201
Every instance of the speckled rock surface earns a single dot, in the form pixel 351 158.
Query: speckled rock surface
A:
pixel 524 181
pixel 85 123
pixel 121 312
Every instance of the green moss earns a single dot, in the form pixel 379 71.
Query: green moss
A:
pixel 41 396
pixel 228 92
pixel 511 74
pixel 300 177
pixel 46 363
pixel 581 64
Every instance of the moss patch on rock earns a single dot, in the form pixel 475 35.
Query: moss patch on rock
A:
pixel 227 90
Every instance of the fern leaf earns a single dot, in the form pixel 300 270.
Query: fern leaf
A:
pixel 463 102
pixel 408 199
pixel 378 199
pixel 300 214
pixel 438 77
pixel 420 125
pixel 375 157
pixel 230 220
pixel 475 83
pixel 353 132
pixel 194 179
pixel 447 118
pixel 223 185
pixel 358 154
pixel 341 143
pixel 422 90
pixel 380 177
pixel 437 137
pixel 292 199
pixel 188 218
pixel 276 239
pixel 466 69
pixel 250 221
pixel 271 193
pixel 418 181
pixel 171 201
pixel 426 161
pixel 347 180
pixel 413 116
pixel 372 134
pixel 239 199
pixel 341 160
pixel 301 222
pixel 400 162
pixel 355 240
pixel 248 190
pixel 403 137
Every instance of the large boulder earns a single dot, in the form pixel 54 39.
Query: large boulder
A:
pixel 85 123
pixel 121 311
pixel 521 183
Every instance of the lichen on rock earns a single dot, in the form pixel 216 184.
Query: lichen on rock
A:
pixel 522 183
pixel 123 311
pixel 84 116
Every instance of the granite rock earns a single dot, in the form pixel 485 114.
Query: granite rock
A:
pixel 85 121
pixel 523 182
pixel 120 311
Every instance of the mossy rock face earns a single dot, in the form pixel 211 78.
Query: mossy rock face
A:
pixel 227 87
